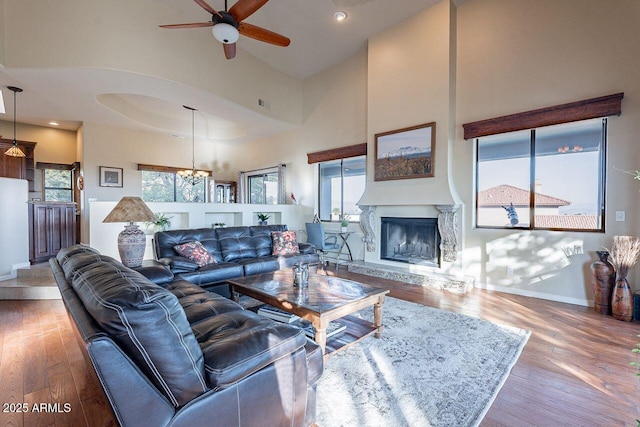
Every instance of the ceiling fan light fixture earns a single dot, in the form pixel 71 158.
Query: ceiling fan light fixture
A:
pixel 340 16
pixel 225 33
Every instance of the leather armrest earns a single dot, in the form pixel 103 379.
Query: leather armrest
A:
pixel 179 264
pixel 238 343
pixel 158 274
pixel 306 248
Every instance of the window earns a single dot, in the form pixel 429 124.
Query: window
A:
pixel 58 185
pixel 171 187
pixel 552 177
pixel 342 184
pixel 263 187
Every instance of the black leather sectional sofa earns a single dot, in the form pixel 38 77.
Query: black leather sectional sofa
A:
pixel 170 353
pixel 238 251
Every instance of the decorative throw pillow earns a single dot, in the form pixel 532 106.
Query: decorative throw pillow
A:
pixel 195 252
pixel 284 243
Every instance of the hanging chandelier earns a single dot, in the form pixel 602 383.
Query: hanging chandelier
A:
pixel 193 176
pixel 14 151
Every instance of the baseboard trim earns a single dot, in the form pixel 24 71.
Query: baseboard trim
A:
pixel 534 294
pixel 14 271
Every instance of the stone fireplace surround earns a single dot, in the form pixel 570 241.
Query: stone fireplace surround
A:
pixel 448 228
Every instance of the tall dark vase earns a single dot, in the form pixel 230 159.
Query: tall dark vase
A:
pixel 603 280
pixel 621 302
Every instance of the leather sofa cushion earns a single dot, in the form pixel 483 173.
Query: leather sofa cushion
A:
pixel 261 235
pixel 65 253
pixel 199 304
pixel 81 261
pixel 239 343
pixel 236 243
pixel 149 324
pixel 213 273
pixel 259 265
pixel 164 241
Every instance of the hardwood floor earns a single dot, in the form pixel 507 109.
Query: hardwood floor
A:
pixel 574 370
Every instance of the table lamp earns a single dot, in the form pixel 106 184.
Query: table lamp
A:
pixel 131 241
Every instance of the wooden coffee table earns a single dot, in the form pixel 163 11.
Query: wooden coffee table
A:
pixel 326 298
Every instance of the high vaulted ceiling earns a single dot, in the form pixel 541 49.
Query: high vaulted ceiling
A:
pixel 72 96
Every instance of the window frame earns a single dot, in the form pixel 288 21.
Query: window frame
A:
pixel 174 171
pixel 261 173
pixel 602 171
pixel 342 176
pixel 339 153
pixel 58 167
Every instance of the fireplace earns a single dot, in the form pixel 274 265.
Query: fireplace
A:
pixel 410 240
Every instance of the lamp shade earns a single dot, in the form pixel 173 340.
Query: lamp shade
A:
pixel 130 209
pixel 15 151
pixel 131 240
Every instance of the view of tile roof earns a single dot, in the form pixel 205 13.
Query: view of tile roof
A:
pixel 504 194
pixel 578 222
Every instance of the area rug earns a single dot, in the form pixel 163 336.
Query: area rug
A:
pixel 429 368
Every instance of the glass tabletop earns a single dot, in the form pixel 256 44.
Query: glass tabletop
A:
pixel 323 293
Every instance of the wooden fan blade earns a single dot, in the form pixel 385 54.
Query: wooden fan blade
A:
pixel 192 25
pixel 245 8
pixel 229 50
pixel 203 4
pixel 263 34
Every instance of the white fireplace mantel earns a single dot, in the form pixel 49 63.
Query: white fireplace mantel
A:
pixel 447 225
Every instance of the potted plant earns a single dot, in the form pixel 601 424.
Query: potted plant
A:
pixel 161 223
pixel 344 223
pixel 263 217
pixel 219 225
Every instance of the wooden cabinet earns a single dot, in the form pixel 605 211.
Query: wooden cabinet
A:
pixel 52 226
pixel 18 167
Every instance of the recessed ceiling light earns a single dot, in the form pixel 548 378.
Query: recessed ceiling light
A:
pixel 54 123
pixel 340 16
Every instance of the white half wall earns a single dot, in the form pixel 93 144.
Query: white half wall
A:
pixel 14 238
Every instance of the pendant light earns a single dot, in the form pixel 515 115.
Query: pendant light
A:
pixel 192 175
pixel 14 151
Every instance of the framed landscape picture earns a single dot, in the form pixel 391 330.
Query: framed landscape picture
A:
pixel 110 177
pixel 405 153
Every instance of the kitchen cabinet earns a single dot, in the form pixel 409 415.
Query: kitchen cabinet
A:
pixel 52 226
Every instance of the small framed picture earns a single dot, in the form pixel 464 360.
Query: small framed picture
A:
pixel 110 177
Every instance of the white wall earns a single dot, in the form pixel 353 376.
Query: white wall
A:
pixel 409 83
pixel 63 35
pixel 14 234
pixel 519 56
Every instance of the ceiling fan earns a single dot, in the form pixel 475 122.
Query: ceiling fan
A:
pixel 227 26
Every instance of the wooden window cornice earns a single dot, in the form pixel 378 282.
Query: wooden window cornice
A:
pixel 157 168
pixel 55 166
pixel 337 153
pixel 603 106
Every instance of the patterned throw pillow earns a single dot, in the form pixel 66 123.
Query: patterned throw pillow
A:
pixel 284 243
pixel 195 252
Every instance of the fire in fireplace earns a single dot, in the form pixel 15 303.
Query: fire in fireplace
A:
pixel 410 240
